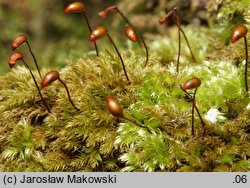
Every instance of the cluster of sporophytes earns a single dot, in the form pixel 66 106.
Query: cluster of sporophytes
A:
pixel 124 112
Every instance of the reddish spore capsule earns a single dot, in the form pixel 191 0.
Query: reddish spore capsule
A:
pixel 75 7
pixel 165 19
pixel 130 33
pixel 192 83
pixel 50 77
pixel 114 107
pixel 104 13
pixel 97 33
pixel 239 32
pixel 18 41
pixel 14 58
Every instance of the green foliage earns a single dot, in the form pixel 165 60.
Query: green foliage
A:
pixel 93 140
pixel 228 14
pixel 167 47
pixel 234 10
pixel 155 133
pixel 25 147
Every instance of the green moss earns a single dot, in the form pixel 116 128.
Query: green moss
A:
pixel 94 140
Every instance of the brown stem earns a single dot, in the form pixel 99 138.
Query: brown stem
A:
pixel 142 39
pixel 134 122
pixel 186 92
pixel 45 104
pixel 67 90
pixel 117 51
pixel 90 30
pixel 193 105
pixel 246 51
pixel 188 44
pixel 197 110
pixel 202 122
pixel 129 23
pixel 34 58
pixel 124 17
pixel 146 50
pixel 179 38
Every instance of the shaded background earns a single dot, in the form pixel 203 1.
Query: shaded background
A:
pixel 56 37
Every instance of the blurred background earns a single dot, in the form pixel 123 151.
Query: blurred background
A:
pixel 56 37
pixel 53 35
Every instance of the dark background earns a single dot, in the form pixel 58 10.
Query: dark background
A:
pixel 56 37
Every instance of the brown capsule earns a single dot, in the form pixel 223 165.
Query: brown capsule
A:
pixel 165 19
pixel 130 33
pixel 97 33
pixel 50 77
pixel 18 41
pixel 238 32
pixel 104 13
pixel 75 7
pixel 14 58
pixel 162 20
pixel 111 8
pixel 192 83
pixel 114 107
pixel 18 56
